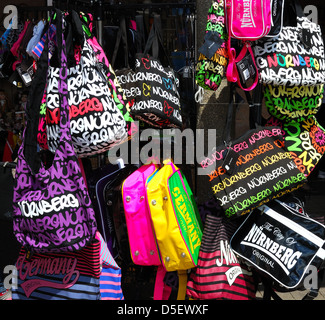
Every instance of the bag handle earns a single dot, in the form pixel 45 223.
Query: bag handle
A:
pixel 122 35
pixel 78 26
pixel 227 131
pixel 255 106
pixel 231 72
pixel 152 41
pixel 140 35
pixel 297 8
pixel 155 39
pixel 63 84
pixel 63 71
pixel 35 96
pixel 34 100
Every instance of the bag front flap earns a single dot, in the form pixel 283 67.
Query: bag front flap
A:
pixel 250 19
pixel 186 211
pixel 280 242
pixel 176 254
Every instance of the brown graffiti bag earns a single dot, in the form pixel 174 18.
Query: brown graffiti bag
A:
pixel 246 172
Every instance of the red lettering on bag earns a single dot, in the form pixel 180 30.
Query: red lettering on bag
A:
pixel 273 62
pixel 278 143
pixel 168 109
pixel 52 116
pixel 86 106
pixel 146 63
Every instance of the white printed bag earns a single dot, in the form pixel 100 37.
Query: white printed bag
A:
pixel 96 123
pixel 280 242
pixel 295 57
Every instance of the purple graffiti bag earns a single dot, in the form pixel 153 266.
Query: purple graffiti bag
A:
pixel 52 210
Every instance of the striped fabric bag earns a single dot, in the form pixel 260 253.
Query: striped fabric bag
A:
pixel 218 274
pixel 59 276
pixel 87 274
pixel 110 277
pixel 39 47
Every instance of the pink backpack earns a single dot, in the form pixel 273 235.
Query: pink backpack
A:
pixel 142 240
pixel 247 20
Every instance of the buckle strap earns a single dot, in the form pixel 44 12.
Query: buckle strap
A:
pixel 311 295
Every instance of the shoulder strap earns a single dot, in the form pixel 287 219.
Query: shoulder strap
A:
pixel 255 106
pixel 155 40
pixel 255 109
pixel 141 34
pixel 152 41
pixel 229 120
pixel 33 105
pixel 121 35
pixel 231 72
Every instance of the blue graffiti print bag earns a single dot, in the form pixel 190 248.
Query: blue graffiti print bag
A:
pixel 296 55
pixel 52 210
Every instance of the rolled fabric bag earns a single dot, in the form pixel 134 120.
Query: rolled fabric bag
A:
pixel 304 140
pixel 293 104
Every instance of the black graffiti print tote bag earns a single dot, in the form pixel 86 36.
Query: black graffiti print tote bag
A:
pixel 251 170
pixel 96 123
pixel 158 103
pixel 296 56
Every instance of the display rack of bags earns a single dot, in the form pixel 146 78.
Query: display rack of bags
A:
pixel 302 138
pixel 118 197
pixel 75 27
